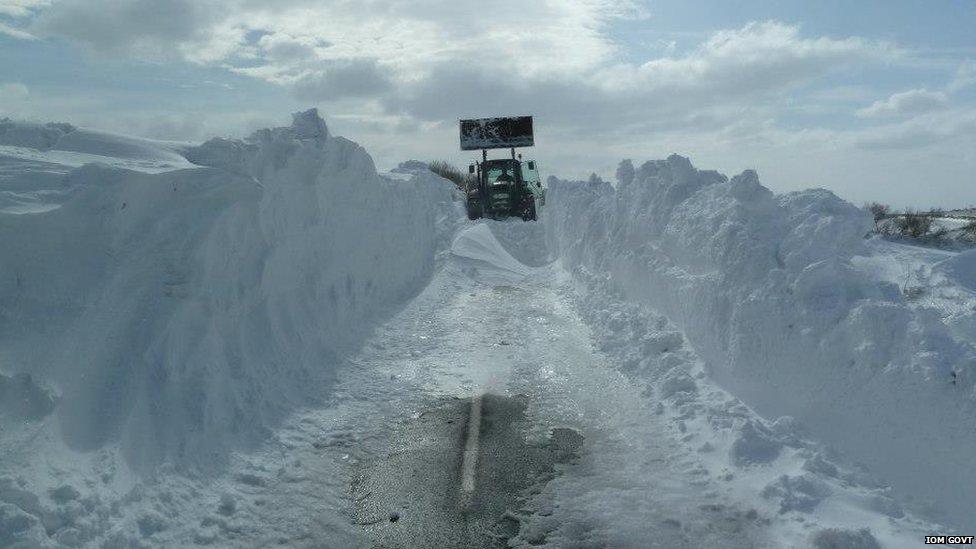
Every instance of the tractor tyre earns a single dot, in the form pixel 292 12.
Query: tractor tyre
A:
pixel 474 209
pixel 528 210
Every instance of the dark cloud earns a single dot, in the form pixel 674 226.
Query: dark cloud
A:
pixel 142 28
pixel 340 80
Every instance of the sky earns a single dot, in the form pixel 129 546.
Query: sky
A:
pixel 875 100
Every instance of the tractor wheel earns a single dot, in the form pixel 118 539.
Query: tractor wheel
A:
pixel 474 209
pixel 528 211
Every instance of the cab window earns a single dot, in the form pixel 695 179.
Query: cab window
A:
pixel 530 173
pixel 495 172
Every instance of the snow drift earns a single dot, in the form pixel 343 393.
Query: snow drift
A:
pixel 763 286
pixel 63 144
pixel 961 269
pixel 183 313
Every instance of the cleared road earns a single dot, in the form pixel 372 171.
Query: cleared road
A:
pixel 419 495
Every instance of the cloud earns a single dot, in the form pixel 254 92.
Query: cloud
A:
pixel 14 32
pixel 359 78
pixel 753 59
pixel 149 29
pixel 759 56
pixel 17 10
pixel 284 48
pixel 965 77
pixel 404 33
pixel 734 74
pixel 764 91
pixel 958 126
pixel 21 8
pixel 325 51
pixel 431 60
pixel 907 103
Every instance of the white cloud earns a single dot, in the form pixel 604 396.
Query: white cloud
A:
pixel 957 125
pixel 15 32
pixel 21 8
pixel 17 10
pixel 907 103
pixel 405 35
pixel 734 74
pixel 758 56
pixel 965 76
pixel 431 60
pixel 326 51
pixel 387 70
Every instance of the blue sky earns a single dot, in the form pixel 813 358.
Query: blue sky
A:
pixel 874 100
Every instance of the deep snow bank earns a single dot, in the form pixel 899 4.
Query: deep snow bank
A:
pixel 763 286
pixel 183 313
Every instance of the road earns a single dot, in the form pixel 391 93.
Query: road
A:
pixel 417 494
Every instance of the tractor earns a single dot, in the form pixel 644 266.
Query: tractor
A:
pixel 501 187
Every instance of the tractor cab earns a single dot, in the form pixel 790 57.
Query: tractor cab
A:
pixel 502 189
pixel 502 171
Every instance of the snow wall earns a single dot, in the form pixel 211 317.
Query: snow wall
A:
pixel 762 285
pixel 181 314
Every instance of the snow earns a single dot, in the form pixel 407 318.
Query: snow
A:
pixel 65 145
pixel 202 344
pixel 932 280
pixel 952 223
pixel 479 253
pixel 767 291
pixel 960 269
pixel 35 160
pixel 759 471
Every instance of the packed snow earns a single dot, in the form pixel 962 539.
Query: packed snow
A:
pixel 201 344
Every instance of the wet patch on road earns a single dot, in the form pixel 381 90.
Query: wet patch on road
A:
pixel 412 496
